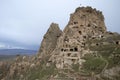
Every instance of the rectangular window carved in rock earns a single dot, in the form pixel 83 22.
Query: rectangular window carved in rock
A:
pixel 71 50
pixel 80 32
pixel 62 49
pixel 69 54
pixel 75 22
pixel 75 49
pixel 97 44
pixel 117 42
pixel 83 44
pixel 66 46
pixel 66 39
pixel 73 60
pixel 75 55
pixel 71 23
pixel 89 25
pixel 95 26
pixel 65 50
pixel 75 27
pixel 81 25
pixel 84 37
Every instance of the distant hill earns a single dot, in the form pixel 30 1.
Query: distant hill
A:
pixel 17 51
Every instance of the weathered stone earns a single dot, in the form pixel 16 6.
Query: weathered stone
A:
pixel 84 23
pixel 50 39
pixel 110 73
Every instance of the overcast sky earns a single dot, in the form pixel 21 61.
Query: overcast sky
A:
pixel 24 22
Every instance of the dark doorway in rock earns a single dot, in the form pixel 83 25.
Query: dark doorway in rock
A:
pixel 95 26
pixel 71 50
pixel 75 22
pixel 65 50
pixel 84 37
pixel 62 49
pixel 80 32
pixel 73 60
pixel 69 54
pixel 75 49
pixel 117 42
pixel 81 25
pixel 97 44
pixel 89 25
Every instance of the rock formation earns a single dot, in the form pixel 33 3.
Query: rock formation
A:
pixel 50 39
pixel 84 23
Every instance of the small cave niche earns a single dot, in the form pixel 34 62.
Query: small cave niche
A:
pixel 84 37
pixel 68 54
pixel 71 23
pixel 50 32
pixel 63 45
pixel 75 27
pixel 81 25
pixel 89 25
pixel 75 22
pixel 75 49
pixel 78 40
pixel 57 36
pixel 95 26
pixel 73 60
pixel 84 15
pixel 66 39
pixel 97 44
pixel 44 37
pixel 71 50
pixel 83 44
pixel 80 32
pixel 62 49
pixel 117 42
pixel 65 50
pixel 102 36
pixel 75 55
pixel 49 61
pixel 66 45
pixel 89 11
pixel 93 37
pixel 22 68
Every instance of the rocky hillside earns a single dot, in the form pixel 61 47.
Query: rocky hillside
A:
pixel 84 50
pixel 84 24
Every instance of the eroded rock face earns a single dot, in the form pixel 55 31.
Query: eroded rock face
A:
pixel 110 73
pixel 50 39
pixel 84 23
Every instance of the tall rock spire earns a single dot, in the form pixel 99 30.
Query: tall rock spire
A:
pixel 50 39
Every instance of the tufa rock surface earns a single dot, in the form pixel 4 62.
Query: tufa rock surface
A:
pixel 85 23
pixel 50 39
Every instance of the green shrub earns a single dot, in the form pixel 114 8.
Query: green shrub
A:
pixel 42 72
pixel 95 65
pixel 75 67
